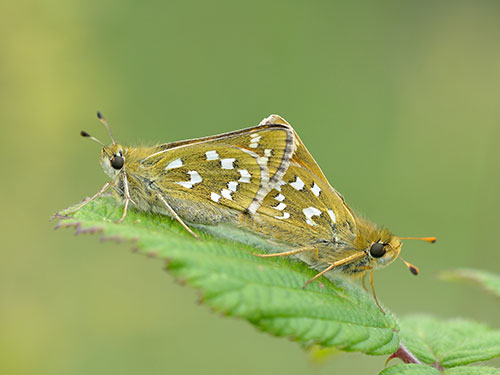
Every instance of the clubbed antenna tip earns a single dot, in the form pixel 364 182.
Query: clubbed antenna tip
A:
pixel 87 135
pixel 413 270
pixel 101 118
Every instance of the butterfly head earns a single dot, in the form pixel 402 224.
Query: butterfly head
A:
pixel 112 159
pixel 381 247
pixel 383 253
pixel 113 156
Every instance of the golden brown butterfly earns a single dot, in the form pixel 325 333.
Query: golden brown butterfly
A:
pixel 261 180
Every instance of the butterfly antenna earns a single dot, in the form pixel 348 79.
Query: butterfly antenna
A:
pixel 87 135
pixel 428 239
pixel 101 118
pixel 413 269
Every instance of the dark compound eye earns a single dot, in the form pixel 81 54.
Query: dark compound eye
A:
pixel 377 250
pixel 117 162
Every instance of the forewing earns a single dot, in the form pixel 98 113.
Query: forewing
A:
pixel 277 138
pixel 229 170
pixel 305 210
pixel 265 175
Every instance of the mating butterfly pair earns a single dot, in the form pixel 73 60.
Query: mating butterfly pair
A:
pixel 262 180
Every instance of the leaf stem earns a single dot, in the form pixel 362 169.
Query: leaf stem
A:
pixel 404 354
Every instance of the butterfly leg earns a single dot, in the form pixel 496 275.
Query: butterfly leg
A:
pixel 126 197
pixel 125 209
pixel 338 263
pixel 373 291
pixel 285 253
pixel 363 282
pixel 370 268
pixel 177 217
pixel 85 201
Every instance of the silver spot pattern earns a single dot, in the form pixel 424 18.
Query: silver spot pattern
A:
pixel 332 215
pixel 195 179
pixel 310 212
pixel 245 176
pixel 316 189
pixel 298 184
pixel 212 155
pixel 227 163
pixel 177 163
pixel 286 215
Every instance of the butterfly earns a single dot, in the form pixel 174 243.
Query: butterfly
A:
pixel 262 180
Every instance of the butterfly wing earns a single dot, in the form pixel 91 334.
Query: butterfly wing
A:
pixel 210 179
pixel 306 211
pixel 261 178
pixel 302 207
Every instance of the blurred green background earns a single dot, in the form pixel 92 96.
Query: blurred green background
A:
pixel 399 102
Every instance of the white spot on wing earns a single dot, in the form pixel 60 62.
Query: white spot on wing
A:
pixel 232 185
pixel 174 164
pixel 254 142
pixel 316 189
pixel 226 193
pixel 245 176
pixel 310 212
pixel 215 197
pixel 212 155
pixel 195 179
pixel 298 184
pixel 267 152
pixel 280 207
pixel 280 197
pixel 227 163
pixel 286 215
pixel 332 215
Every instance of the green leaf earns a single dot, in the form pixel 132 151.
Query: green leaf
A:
pixel 413 369
pixel 449 343
pixel 472 370
pixel 265 291
pixel 487 280
pixel 410 369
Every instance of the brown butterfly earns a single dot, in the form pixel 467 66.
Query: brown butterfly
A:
pixel 261 180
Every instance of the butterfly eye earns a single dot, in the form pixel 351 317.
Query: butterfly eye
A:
pixel 377 250
pixel 117 162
